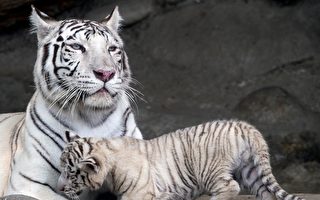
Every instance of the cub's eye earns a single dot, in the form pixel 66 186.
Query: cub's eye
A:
pixel 112 48
pixel 76 46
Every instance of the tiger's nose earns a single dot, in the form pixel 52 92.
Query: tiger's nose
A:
pixel 104 75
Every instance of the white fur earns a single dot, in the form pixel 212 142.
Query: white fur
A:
pixel 24 159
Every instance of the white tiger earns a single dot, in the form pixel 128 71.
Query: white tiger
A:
pixel 82 81
pixel 212 158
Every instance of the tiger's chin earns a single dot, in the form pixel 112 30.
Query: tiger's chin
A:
pixel 99 100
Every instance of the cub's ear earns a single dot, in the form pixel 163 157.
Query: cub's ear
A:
pixel 71 136
pixel 41 23
pixel 90 165
pixel 113 20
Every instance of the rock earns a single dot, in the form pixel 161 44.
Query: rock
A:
pixel 14 95
pixel 7 5
pixel 131 11
pixel 17 11
pixel 17 197
pixel 251 197
pixel 304 147
pixel 275 107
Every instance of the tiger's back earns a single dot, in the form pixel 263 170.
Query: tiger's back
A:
pixel 215 158
pixel 10 125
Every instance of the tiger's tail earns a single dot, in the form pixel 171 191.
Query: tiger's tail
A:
pixel 269 181
pixel 257 174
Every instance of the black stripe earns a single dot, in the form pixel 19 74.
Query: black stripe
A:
pixel 75 68
pixel 126 115
pixel 75 150
pixel 254 182
pixel 177 163
pixel 38 142
pixel 80 29
pixel 40 129
pixel 137 180
pixel 45 55
pixel 78 26
pixel 67 133
pixel 60 121
pixel 47 79
pixel 123 180
pixel 46 125
pixel 250 171
pixel 206 145
pixel 8 117
pixel 46 159
pixel 60 38
pixel 56 68
pixel 14 139
pixel 71 24
pixel 128 187
pixel 38 182
pixel 11 184
pixel 70 38
pixel 133 131
pixel 258 190
pixel 89 142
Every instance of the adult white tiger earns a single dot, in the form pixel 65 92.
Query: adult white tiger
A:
pixel 82 78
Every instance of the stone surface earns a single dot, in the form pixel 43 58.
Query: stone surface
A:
pixel 241 197
pixel 247 197
pixel 203 60
pixel 16 12
pixel 131 11
pixel 17 197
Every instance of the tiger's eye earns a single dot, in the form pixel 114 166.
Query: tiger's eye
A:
pixel 112 48
pixel 76 46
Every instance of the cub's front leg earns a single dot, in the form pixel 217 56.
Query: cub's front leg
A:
pixel 170 196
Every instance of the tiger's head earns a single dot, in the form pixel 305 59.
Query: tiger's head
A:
pixel 82 167
pixel 80 62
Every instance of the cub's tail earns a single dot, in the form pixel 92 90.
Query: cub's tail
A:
pixel 256 173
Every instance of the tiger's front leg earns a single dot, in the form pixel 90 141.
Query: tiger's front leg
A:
pixel 31 177
pixel 35 171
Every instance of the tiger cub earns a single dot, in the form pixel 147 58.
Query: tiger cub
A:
pixel 213 158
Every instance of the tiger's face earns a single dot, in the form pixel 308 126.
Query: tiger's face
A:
pixel 80 62
pixel 81 168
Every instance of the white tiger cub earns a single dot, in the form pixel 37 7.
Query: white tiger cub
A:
pixel 214 158
pixel 82 81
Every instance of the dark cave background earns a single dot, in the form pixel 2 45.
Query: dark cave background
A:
pixel 201 60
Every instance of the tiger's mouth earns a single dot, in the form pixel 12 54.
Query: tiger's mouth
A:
pixel 103 92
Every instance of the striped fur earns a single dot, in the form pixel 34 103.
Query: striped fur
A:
pixel 71 94
pixel 214 158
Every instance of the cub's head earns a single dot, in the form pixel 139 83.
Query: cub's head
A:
pixel 80 62
pixel 82 167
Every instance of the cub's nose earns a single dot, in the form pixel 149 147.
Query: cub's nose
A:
pixel 104 75
pixel 61 183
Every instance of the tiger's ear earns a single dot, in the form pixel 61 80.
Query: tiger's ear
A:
pixel 42 24
pixel 71 136
pixel 90 165
pixel 113 20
